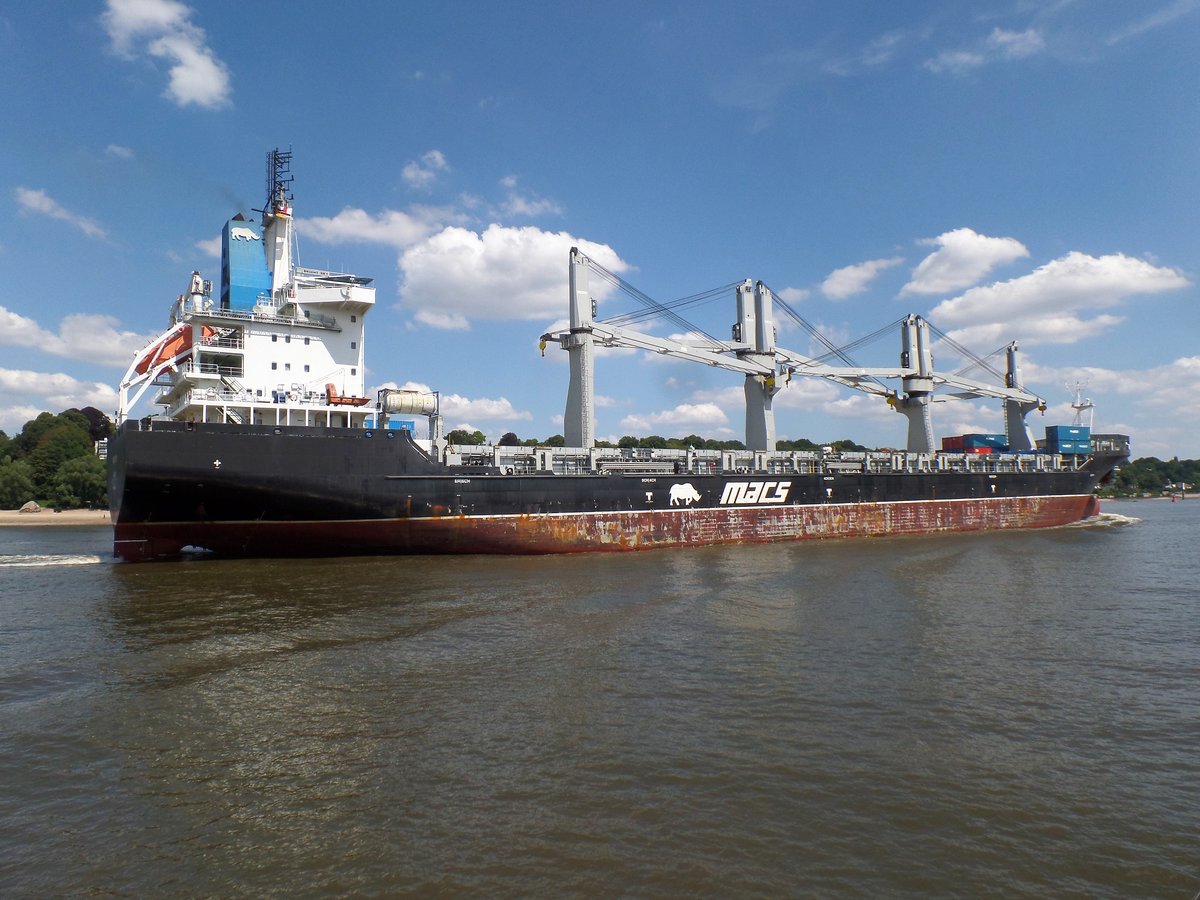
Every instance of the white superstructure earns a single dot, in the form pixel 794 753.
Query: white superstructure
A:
pixel 280 344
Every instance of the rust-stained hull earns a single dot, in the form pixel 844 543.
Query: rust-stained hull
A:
pixel 276 492
pixel 591 532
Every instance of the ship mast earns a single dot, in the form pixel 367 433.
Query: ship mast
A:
pixel 1081 405
pixel 277 222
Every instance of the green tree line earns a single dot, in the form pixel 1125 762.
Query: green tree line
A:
pixel 53 461
pixel 1151 475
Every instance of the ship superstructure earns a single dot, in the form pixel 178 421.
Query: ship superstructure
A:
pixel 277 344
pixel 269 444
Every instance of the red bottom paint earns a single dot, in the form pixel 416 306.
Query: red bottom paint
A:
pixel 592 532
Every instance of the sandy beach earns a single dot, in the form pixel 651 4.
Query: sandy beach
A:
pixel 97 517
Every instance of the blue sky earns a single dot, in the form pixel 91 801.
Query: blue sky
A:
pixel 1008 169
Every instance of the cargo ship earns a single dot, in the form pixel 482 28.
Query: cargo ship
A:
pixel 268 443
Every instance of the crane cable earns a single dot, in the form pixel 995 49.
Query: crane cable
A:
pixel 976 361
pixel 655 308
pixel 834 351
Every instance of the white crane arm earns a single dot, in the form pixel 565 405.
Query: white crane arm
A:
pixel 615 336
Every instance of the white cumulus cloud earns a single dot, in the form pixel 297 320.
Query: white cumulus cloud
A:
pixel 163 30
pixel 38 201
pixel 850 280
pixel 27 393
pixel 1057 303
pixel 999 46
pixel 684 417
pixel 1015 44
pixel 455 406
pixel 210 247
pixel 794 295
pixel 392 227
pixel 83 336
pixel 422 173
pixel 458 275
pixel 518 204
pixel 963 256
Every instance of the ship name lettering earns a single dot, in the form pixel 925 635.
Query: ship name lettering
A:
pixel 462 480
pixel 746 492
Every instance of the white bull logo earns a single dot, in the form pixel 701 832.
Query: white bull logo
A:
pixel 683 493
pixel 242 233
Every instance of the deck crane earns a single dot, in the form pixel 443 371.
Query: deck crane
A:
pixel 766 367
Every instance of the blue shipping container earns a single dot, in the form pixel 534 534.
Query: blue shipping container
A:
pixel 995 441
pixel 393 424
pixel 1068 433
pixel 1069 448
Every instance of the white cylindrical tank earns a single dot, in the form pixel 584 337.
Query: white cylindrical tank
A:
pixel 409 403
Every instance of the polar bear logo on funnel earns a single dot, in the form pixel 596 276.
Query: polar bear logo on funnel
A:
pixel 683 494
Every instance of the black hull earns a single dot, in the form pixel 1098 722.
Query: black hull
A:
pixel 264 491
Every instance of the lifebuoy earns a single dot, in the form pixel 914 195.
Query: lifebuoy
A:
pixel 293 396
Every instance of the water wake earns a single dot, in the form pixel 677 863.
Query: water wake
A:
pixel 39 561
pixel 1106 520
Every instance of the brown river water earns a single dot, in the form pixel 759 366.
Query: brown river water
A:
pixel 1011 714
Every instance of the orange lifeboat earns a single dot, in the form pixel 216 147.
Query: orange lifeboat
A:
pixel 171 345
pixel 174 344
pixel 333 398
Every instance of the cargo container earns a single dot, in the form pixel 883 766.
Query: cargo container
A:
pixel 952 444
pixel 1068 439
pixel 994 441
pixel 1071 448
pixel 1068 433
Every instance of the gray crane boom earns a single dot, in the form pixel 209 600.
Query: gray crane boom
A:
pixel 754 354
